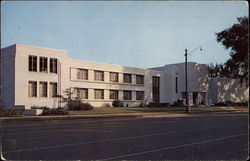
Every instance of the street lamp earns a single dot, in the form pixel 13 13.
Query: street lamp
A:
pixel 186 80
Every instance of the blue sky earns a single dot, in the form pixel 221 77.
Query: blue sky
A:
pixel 138 34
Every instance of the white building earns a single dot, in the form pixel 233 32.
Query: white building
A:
pixel 34 76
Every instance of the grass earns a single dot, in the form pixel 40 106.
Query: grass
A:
pixel 122 110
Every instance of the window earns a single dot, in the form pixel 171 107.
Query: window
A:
pixel 176 84
pixel 99 94
pixel 127 78
pixel 82 74
pixel 127 95
pixel 43 64
pixel 53 89
pixel 156 89
pixel 139 79
pixel 139 95
pixel 53 65
pixel 113 94
pixel 43 89
pixel 99 75
pixel 114 77
pixel 32 63
pixel 32 91
pixel 82 93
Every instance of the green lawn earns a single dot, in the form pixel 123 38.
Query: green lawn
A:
pixel 116 110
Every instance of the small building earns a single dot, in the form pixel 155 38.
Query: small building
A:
pixel 35 76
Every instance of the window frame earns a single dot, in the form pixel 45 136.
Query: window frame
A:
pixel 53 65
pixel 42 93
pixel 96 96
pixel 32 92
pixel 125 96
pixel 116 95
pixel 84 96
pixel 32 63
pixel 115 78
pixel 97 76
pixel 138 81
pixel 140 95
pixel 82 74
pixel 125 79
pixel 52 94
pixel 43 64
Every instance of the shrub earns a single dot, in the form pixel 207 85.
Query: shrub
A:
pixel 178 103
pixel 40 107
pixel 117 103
pixel 230 103
pixel 79 105
pixel 157 104
pixel 11 112
pixel 56 111
pixel 142 104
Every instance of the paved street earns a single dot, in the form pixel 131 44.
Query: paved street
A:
pixel 223 136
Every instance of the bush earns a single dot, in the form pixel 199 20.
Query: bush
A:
pixel 230 103
pixel 178 103
pixel 117 103
pixel 79 105
pixel 11 112
pixel 157 104
pixel 40 107
pixel 142 104
pixel 56 111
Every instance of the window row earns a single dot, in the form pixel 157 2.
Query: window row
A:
pixel 43 64
pixel 113 76
pixel 43 89
pixel 82 93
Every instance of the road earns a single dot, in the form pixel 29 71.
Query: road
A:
pixel 214 137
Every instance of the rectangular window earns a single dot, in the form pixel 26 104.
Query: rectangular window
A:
pixel 32 63
pixel 176 84
pixel 139 79
pixel 43 89
pixel 82 74
pixel 53 90
pixel 82 93
pixel 43 64
pixel 32 91
pixel 53 65
pixel 114 77
pixel 127 78
pixel 99 75
pixel 99 94
pixel 127 95
pixel 139 95
pixel 156 89
pixel 113 94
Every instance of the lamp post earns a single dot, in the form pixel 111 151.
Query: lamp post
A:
pixel 186 77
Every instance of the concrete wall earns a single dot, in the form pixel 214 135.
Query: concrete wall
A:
pixel 224 89
pixel 8 76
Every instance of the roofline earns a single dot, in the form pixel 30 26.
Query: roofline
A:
pixel 37 47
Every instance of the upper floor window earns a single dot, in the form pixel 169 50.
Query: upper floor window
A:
pixel 114 77
pixel 53 65
pixel 82 74
pixel 53 89
pixel 99 94
pixel 99 75
pixel 139 79
pixel 43 64
pixel 43 91
pixel 176 84
pixel 139 95
pixel 32 91
pixel 156 81
pixel 113 94
pixel 32 63
pixel 82 93
pixel 127 78
pixel 127 95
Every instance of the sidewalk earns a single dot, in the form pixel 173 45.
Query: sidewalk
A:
pixel 143 115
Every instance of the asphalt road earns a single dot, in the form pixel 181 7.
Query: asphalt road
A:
pixel 213 137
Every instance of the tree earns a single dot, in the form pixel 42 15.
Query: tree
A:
pixel 235 38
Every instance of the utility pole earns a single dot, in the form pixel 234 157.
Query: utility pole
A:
pixel 186 81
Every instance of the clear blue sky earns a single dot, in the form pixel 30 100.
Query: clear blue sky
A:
pixel 138 34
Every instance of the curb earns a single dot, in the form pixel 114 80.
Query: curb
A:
pixel 142 115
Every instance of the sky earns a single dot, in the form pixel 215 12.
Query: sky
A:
pixel 137 34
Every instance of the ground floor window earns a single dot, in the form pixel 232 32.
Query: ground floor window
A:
pixel 53 89
pixel 113 94
pixel 127 95
pixel 32 91
pixel 82 93
pixel 43 89
pixel 99 94
pixel 139 95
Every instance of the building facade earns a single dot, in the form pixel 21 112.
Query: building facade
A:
pixel 35 76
